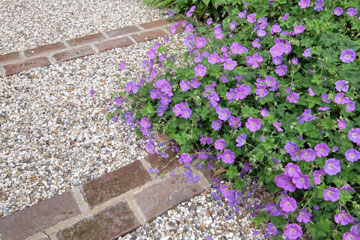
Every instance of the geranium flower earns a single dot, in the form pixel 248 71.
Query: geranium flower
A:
pixel 338 11
pixel 322 150
pixel 240 140
pixel 200 43
pixel 301 182
pixel 292 170
pixel 331 194
pixel 293 231
pixel 220 144
pixel 253 124
pixel 317 176
pixel 352 12
pixel 332 166
pixel 352 155
pixel 343 218
pixel 200 70
pixel 307 155
pixel 304 216
pixel 354 135
pixel 283 181
pixel 347 55
pixel 304 3
pixel 227 156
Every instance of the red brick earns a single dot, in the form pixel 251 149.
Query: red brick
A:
pixel 147 36
pixel 108 224
pixel 13 56
pixel 158 198
pixel 26 65
pixel 86 39
pixel 123 31
pixel 73 53
pixel 115 183
pixel 45 49
pixel 116 43
pixel 156 23
pixel 31 220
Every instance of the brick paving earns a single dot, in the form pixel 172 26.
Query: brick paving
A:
pixel 16 62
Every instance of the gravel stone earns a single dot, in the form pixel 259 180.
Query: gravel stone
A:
pixel 27 24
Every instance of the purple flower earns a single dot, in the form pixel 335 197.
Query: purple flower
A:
pixel 319 5
pixel 227 156
pixel 307 155
pixel 293 97
pixel 253 124
pixel 338 11
pixel 304 3
pixel 350 106
pixel 272 230
pixel 220 144
pixel 150 147
pixel 283 181
pixel 343 218
pixel 325 98
pixel 292 170
pixel 264 112
pixel 223 113
pixel 261 91
pixel 278 126
pixel 281 70
pixel 276 51
pixel 285 16
pixel 216 125
pixel 242 91
pixel 232 25
pixel 235 122
pixel 200 43
pixel 273 209
pixel 332 166
pixel 307 53
pixel 341 124
pixel 301 182
pixel 242 14
pixel 331 194
pixel 229 64
pixel 122 65
pixel 91 92
pixel 342 86
pixel 317 176
pixel 240 140
pixel 185 157
pixel 256 43
pixel 347 188
pixel 352 155
pixel 189 28
pixel 209 21
pixel 322 150
pixel 354 135
pixel 294 61
pixel 293 231
pixel 347 55
pixel 277 60
pixel 200 70
pixel 351 236
pixel 335 148
pixel 299 29
pixel 145 123
pixel 304 216
pixel 184 85
pixel 291 147
pixel 352 12
pixel 355 228
pixel 251 18
pixel 312 92
pixel 275 29
pixel 261 33
pixel 340 98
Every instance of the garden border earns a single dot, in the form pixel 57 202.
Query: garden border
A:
pixel 19 61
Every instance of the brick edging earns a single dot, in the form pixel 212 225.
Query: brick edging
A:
pixel 19 61
pixel 109 206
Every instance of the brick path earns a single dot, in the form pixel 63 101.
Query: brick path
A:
pixel 107 207
pixel 15 62
pixel 117 202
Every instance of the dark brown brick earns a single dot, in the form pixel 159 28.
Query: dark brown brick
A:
pixel 156 199
pixel 11 69
pixel 86 39
pixel 108 224
pixel 123 31
pixel 13 56
pixel 154 24
pixel 115 183
pixel 45 49
pixel 22 224
pixel 116 43
pixel 147 36
pixel 73 53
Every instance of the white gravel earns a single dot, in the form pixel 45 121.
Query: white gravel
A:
pixel 54 135
pixel 27 24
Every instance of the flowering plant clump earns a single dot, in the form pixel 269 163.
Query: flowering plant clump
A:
pixel 272 94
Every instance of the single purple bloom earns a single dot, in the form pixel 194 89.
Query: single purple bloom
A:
pixel 200 70
pixel 186 158
pixel 184 85
pixel 352 155
pixel 216 125
pixel 343 218
pixel 145 123
pixel 351 236
pixel 91 92
pixel 240 140
pixel 275 29
pixel 277 60
pixel 322 150
pixel 150 147
pixel 317 176
pixel 291 147
pixel 304 3
pixel 312 92
pixel 325 98
pixel 340 98
pixel 299 29
pixel 355 228
pixel 307 53
pixel 122 65
pixel 281 70
pixel 341 124
pixel 242 14
pixel 354 135
pixel 293 231
pixel 227 156
pixel 209 21
pixel 301 182
pixel 293 97
pixel 350 106
pixel 307 155
pixel 294 61
pixel 261 33
pixel 347 55
pixel 189 29
pixel 200 43
pixel 288 204
pixel 229 64
pixel 292 170
pixel 347 188
pixel 223 113
pixel 232 25
pixel 332 166
pixel 264 112
pixel 335 148
pixel 220 144
pixel 285 16
pixel 352 12
pixel 304 216
pixel 338 11
pixel 235 122
pixel 253 124
pixel 251 18
pixel 342 86
pixel 283 181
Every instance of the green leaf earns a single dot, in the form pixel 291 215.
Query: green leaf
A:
pixel 232 172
